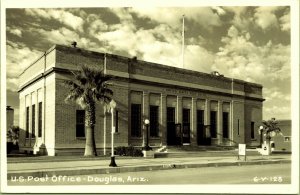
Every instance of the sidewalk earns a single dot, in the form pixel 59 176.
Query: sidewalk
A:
pixel 99 165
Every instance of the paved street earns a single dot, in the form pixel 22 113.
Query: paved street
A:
pixel 250 174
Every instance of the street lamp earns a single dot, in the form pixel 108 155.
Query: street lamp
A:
pixel 261 128
pixel 112 105
pixel 147 147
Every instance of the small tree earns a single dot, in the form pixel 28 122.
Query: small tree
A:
pixel 88 87
pixel 270 129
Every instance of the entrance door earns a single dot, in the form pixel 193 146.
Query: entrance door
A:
pixel 203 138
pixel 171 131
pixel 186 125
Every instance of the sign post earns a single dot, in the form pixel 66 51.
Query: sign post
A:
pixel 242 151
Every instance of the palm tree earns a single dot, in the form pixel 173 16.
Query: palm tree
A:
pixel 89 86
pixel 270 129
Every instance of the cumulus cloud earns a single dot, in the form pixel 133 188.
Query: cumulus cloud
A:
pixel 96 25
pixel 198 58
pixel 62 35
pixel 240 18
pixel 204 16
pixel 279 112
pixel 14 31
pixel 219 10
pixel 161 44
pixel 18 57
pixel 285 22
pixel 242 59
pixel 275 94
pixel 265 17
pixel 60 15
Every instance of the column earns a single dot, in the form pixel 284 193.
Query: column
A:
pixel 194 122
pixel 231 130
pixel 36 144
pixel 36 115
pixel 179 110
pixel 30 119
pixel 23 119
pixel 207 112
pixel 220 122
pixel 145 114
pixel 207 118
pixel 163 119
pixel 104 130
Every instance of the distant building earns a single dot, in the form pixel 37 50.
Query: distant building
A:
pixel 183 106
pixel 9 117
pixel 283 142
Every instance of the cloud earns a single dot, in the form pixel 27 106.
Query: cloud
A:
pixel 285 22
pixel 18 57
pixel 265 17
pixel 95 24
pixel 161 44
pixel 242 59
pixel 57 36
pixel 198 58
pixel 61 15
pixel 205 16
pixel 241 20
pixel 279 112
pixel 14 31
pixel 274 93
pixel 219 10
pixel 65 36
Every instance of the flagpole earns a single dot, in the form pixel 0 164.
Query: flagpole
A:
pixel 182 49
pixel 104 110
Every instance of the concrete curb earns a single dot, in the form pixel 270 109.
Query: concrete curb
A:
pixel 101 170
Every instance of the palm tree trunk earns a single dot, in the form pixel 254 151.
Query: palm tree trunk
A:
pixel 268 142
pixel 90 145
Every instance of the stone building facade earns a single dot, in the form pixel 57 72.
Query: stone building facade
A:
pixel 183 106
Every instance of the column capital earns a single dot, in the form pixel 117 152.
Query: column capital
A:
pixel 179 97
pixel 145 93
pixel 163 95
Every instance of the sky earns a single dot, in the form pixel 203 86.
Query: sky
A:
pixel 247 42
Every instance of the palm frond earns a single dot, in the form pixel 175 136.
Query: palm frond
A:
pixel 271 126
pixel 89 85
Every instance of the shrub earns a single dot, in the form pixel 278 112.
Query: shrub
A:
pixel 128 151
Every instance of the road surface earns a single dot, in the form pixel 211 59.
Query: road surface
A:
pixel 250 174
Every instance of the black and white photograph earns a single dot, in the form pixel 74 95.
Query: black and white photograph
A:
pixel 140 97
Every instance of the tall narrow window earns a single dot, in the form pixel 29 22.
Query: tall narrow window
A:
pixel 80 117
pixel 225 125
pixel 136 120
pixel 40 119
pixel 170 115
pixel 201 134
pixel 213 124
pixel 185 125
pixel 27 122
pixel 154 121
pixel 33 121
pixel 116 121
pixel 252 130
